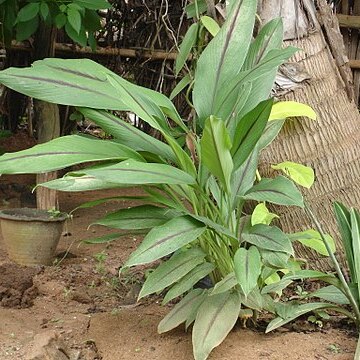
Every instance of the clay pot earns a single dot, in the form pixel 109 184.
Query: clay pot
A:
pixel 30 235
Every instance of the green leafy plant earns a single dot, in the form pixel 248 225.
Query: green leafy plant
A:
pixel 78 17
pixel 195 208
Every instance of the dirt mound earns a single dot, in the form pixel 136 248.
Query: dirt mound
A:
pixel 17 289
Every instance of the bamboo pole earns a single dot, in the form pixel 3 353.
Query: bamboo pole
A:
pixel 349 21
pixel 140 53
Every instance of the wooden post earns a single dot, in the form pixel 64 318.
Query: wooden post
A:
pixel 46 115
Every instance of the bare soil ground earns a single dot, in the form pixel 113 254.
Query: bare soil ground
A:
pixel 80 305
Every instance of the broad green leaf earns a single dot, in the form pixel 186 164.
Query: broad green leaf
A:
pixel 312 239
pixel 106 238
pixel 286 109
pixel 164 240
pixel 297 311
pixel 331 293
pixel 301 174
pixel 268 238
pixel 248 132
pixel 210 24
pixel 128 135
pixel 262 215
pixel 180 86
pixel 182 310
pixel 269 38
pixel 275 259
pixel 216 317
pixel 279 191
pixel 260 76
pixel 172 271
pixel 247 266
pixel 28 12
pixel 79 183
pixel 257 301
pixel 74 19
pixel 215 150
pixel 343 219
pixel 138 217
pixel 63 152
pixel 272 129
pixel 183 159
pixel 191 8
pixel 85 83
pixel 243 178
pixel 276 287
pixel 93 4
pixel 313 274
pixel 355 234
pixel 226 284
pixel 185 47
pixel 215 67
pixel 135 172
pixel 188 281
pixel 220 229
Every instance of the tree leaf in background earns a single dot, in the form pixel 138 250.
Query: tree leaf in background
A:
pixel 271 131
pixel 216 317
pixel 25 29
pixel 74 18
pixel 93 4
pixel 28 12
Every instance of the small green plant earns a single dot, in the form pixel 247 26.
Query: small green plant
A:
pixel 100 259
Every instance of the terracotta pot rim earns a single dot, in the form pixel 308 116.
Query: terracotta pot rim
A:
pixel 31 214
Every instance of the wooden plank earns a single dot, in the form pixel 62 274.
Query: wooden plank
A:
pixel 349 21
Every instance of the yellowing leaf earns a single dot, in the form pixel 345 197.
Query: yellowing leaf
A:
pixel 312 239
pixel 301 174
pixel 285 109
pixel 210 24
pixel 261 215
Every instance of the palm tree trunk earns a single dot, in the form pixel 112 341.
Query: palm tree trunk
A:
pixel 330 145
